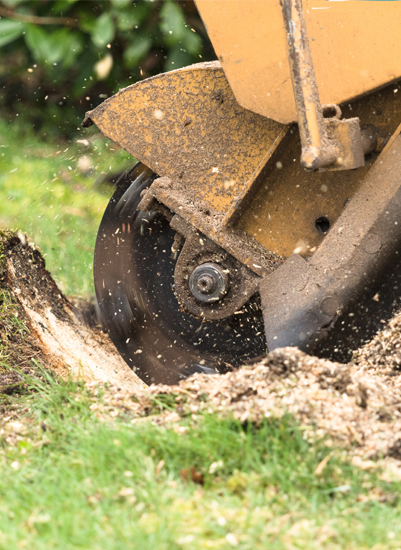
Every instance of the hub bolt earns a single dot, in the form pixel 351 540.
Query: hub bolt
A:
pixel 205 283
pixel 209 282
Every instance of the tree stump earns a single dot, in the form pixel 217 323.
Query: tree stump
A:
pixel 40 326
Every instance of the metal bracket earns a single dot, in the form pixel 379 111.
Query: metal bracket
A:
pixel 301 299
pixel 327 142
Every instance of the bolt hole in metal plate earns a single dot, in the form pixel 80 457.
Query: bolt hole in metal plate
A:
pixel 331 111
pixel 322 224
pixel 134 279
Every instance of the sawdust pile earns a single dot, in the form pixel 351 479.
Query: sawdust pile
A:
pixel 383 353
pixel 356 405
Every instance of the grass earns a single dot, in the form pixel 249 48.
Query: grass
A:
pixel 12 330
pixel 48 192
pixel 72 481
pixel 11 323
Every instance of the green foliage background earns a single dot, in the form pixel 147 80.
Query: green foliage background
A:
pixel 60 58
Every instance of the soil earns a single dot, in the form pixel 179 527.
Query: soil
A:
pixel 356 405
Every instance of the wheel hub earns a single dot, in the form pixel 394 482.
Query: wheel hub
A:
pixel 209 282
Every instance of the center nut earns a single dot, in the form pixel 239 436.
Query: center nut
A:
pixel 209 282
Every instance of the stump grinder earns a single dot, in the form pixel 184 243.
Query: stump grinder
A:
pixel 265 210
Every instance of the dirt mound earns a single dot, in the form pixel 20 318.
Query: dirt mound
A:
pixel 39 326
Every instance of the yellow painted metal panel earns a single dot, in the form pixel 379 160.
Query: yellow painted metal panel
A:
pixel 355 48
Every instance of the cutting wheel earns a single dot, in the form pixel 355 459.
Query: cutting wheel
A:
pixel 134 284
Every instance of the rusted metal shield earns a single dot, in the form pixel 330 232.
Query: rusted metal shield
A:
pixel 187 125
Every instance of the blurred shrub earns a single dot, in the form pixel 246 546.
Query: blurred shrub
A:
pixel 60 58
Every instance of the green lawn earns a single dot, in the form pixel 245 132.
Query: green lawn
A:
pixel 47 192
pixel 70 480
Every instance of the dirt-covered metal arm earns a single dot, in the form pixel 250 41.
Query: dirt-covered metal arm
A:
pixel 322 144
